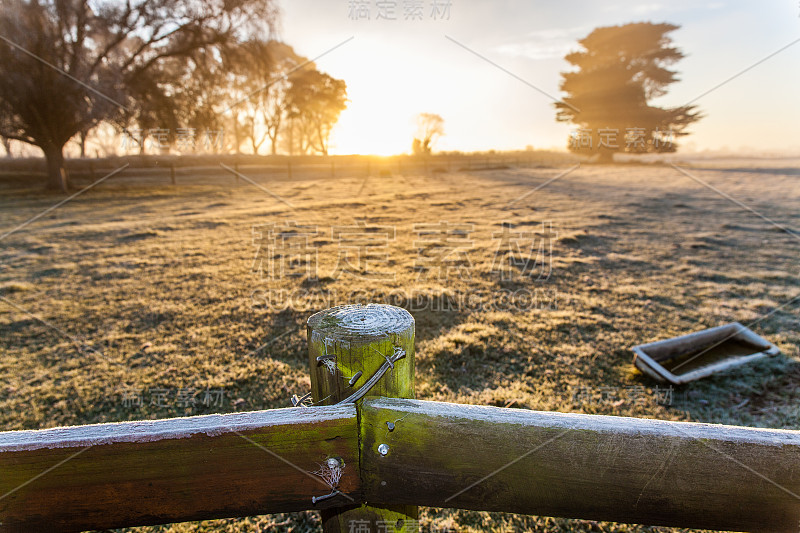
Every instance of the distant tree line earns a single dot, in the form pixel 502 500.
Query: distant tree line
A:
pixel 69 68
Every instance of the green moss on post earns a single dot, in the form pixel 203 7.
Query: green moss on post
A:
pixel 347 345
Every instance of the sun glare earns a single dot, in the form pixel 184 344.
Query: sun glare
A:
pixel 366 128
pixel 385 95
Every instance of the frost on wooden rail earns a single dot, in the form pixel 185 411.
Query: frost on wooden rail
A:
pixel 160 471
pixel 620 469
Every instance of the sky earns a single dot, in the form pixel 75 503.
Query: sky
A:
pixel 491 69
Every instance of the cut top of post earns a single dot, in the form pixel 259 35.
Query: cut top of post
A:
pixel 361 350
pixel 361 323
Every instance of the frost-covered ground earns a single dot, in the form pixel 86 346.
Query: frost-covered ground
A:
pixel 150 288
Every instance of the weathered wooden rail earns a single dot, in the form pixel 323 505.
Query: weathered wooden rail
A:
pixel 581 466
pixel 390 453
pixel 155 472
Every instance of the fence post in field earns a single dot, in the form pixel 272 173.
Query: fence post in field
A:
pixel 360 351
pixel 172 172
pixel 289 166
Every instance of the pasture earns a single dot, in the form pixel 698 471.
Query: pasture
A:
pixel 142 300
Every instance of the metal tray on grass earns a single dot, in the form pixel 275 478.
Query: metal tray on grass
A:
pixel 700 354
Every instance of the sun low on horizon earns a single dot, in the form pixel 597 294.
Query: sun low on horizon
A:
pixel 495 85
pixel 366 128
pixel 389 83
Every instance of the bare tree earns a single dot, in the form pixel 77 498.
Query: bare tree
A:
pixel 251 67
pixel 429 128
pixel 275 102
pixel 315 101
pixel 82 137
pixel 66 65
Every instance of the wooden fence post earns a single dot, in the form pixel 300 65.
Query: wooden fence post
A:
pixel 289 166
pixel 172 172
pixel 360 351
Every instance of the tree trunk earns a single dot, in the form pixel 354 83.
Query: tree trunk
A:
pixel 56 174
pixel 82 143
pixel 7 146
pixel 291 138
pixel 236 137
pixel 606 156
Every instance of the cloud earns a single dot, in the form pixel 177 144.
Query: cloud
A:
pixel 534 50
pixel 674 7
pixel 544 44
pixel 647 8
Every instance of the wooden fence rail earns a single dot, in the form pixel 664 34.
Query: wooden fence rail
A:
pixel 437 454
pixel 377 459
pixel 581 466
pixel 156 472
